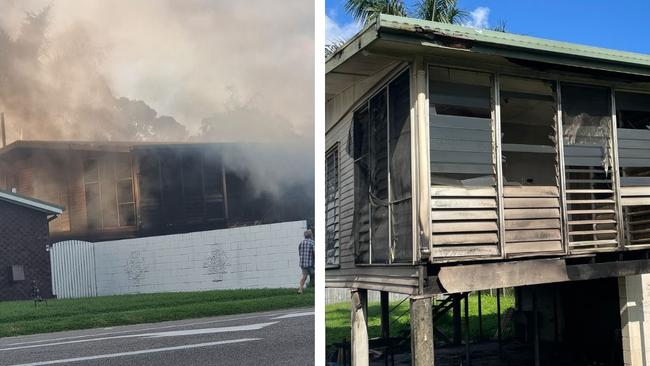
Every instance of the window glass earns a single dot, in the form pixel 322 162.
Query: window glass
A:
pixel 462 164
pixel 331 207
pixel 400 168
pixel 633 120
pixel 361 185
pixel 459 92
pixel 379 177
pixel 213 177
pixel 108 186
pixel 382 152
pixel 528 128
pixel 461 137
pixel 91 171
pixel 586 121
pixel 150 179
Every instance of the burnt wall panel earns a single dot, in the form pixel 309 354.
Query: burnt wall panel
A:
pixel 339 134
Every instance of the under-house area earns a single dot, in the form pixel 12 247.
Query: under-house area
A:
pixel 495 186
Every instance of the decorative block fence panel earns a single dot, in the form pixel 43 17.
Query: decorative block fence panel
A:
pixel 262 256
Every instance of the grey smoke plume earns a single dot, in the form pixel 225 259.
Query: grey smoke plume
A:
pixel 190 59
pixel 51 89
pixel 196 70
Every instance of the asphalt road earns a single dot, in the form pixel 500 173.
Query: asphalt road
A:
pixel 269 338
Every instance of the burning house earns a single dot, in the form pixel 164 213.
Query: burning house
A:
pixel 114 190
pixel 462 160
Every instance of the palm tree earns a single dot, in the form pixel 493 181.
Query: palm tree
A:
pixel 366 10
pixel 333 46
pixel 444 11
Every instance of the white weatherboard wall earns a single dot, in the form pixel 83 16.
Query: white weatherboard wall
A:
pixel 244 257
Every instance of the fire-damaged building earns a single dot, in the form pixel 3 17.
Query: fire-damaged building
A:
pixel 114 190
pixel 462 160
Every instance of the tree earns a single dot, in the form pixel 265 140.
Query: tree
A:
pixel 444 11
pixel 364 11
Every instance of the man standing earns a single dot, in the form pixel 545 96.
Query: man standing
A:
pixel 306 253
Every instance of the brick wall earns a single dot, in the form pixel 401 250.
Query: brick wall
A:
pixel 23 239
pixel 244 257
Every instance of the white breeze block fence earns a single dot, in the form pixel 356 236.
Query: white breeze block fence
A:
pixel 244 257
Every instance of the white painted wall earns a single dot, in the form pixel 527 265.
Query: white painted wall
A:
pixel 244 257
pixel 339 295
pixel 634 295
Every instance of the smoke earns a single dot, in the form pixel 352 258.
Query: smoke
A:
pixel 51 89
pixel 187 59
pixel 197 70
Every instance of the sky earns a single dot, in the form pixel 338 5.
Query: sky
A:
pixel 166 70
pixel 620 25
pixel 244 63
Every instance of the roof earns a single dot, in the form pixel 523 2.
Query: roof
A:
pixel 31 203
pixel 113 146
pixel 494 42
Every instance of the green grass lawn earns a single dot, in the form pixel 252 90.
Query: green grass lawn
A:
pixel 337 318
pixel 21 317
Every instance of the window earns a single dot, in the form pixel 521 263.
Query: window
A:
pixel 633 117
pixel 528 128
pixel 181 186
pixel 530 162
pixel 461 128
pixel 463 165
pixel 591 206
pixel 382 164
pixel 633 120
pixel 332 206
pixel 361 182
pixel 108 183
pixel 213 183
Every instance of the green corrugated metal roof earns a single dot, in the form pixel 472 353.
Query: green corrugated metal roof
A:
pixel 510 40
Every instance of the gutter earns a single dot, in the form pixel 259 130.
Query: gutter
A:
pixel 539 50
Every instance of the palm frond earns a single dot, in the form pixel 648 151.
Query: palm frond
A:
pixel 333 46
pixel 365 10
pixel 444 11
pixel 500 27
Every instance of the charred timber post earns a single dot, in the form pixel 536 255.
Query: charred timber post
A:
pixel 535 328
pixel 556 330
pixel 385 322
pixel 422 353
pixel 499 319
pixel 420 157
pixel 480 318
pixel 468 357
pixel 359 336
pixel 456 319
pixel 2 127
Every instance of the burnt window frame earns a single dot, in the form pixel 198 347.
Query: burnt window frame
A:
pixel 115 180
pixel 626 234
pixel 333 196
pixel 359 156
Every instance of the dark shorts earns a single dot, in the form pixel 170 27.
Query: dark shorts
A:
pixel 308 271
